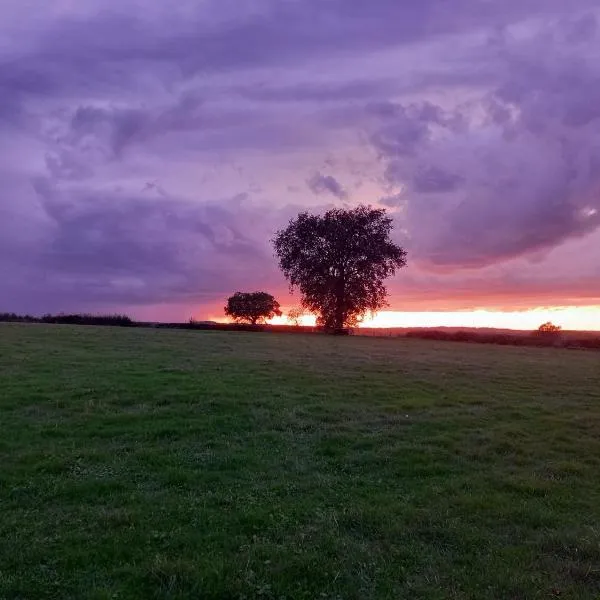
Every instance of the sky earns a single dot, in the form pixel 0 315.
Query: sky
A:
pixel 149 150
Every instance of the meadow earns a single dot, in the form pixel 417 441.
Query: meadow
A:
pixel 141 463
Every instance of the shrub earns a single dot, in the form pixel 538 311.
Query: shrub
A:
pixel 87 319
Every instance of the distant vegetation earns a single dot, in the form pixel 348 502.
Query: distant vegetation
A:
pixel 252 307
pixel 559 339
pixel 295 315
pixel 549 329
pixel 72 319
pixel 554 339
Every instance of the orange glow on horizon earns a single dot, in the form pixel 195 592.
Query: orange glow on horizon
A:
pixel 584 318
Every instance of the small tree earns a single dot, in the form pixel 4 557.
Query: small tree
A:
pixel 339 262
pixel 295 316
pixel 549 329
pixel 252 307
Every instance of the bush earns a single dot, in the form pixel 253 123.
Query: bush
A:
pixel 86 319
pixel 548 329
pixel 14 318
pixel 544 339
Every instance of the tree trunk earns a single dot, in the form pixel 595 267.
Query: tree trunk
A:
pixel 340 313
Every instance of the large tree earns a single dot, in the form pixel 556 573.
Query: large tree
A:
pixel 339 262
pixel 252 307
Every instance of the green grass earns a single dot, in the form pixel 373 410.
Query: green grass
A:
pixel 173 464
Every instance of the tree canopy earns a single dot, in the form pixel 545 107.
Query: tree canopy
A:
pixel 295 315
pixel 549 328
pixel 252 307
pixel 339 262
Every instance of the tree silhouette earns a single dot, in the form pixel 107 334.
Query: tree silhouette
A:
pixel 549 329
pixel 295 315
pixel 339 262
pixel 252 307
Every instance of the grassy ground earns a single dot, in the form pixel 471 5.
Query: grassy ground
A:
pixel 172 464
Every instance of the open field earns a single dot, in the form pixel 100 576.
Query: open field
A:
pixel 140 463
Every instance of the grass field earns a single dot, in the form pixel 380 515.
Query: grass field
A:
pixel 172 464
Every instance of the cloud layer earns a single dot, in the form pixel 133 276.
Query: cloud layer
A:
pixel 148 153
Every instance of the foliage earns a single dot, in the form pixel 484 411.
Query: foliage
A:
pixel 339 262
pixel 583 341
pixel 253 307
pixel 148 463
pixel 85 319
pixel 71 319
pixel 549 329
pixel 12 317
pixel 295 315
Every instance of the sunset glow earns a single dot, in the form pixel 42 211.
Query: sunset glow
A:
pixel 569 318
pixel 150 152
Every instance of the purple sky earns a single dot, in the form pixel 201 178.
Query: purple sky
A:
pixel 150 149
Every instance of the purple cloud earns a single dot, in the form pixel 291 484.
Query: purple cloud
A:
pixel 511 173
pixel 148 151
pixel 327 184
pixel 139 248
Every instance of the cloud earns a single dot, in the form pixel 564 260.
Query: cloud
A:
pixel 432 180
pixel 509 173
pixel 392 201
pixel 327 184
pixel 111 47
pixel 320 92
pixel 108 246
pixel 108 131
pixel 475 123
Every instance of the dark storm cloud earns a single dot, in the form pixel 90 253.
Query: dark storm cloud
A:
pixel 89 136
pixel 279 33
pixel 117 128
pixel 488 151
pixel 321 92
pixel 527 179
pixel 407 128
pixel 432 180
pixel 327 184
pixel 114 246
pixel 112 46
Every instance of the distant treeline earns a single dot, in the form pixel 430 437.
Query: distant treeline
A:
pixel 536 338
pixel 539 339
pixel 212 326
pixel 125 321
pixel 74 319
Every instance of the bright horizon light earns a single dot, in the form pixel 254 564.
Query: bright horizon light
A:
pixel 584 318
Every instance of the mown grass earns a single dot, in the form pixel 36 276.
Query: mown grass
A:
pixel 174 464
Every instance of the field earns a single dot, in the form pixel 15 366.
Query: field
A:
pixel 139 463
